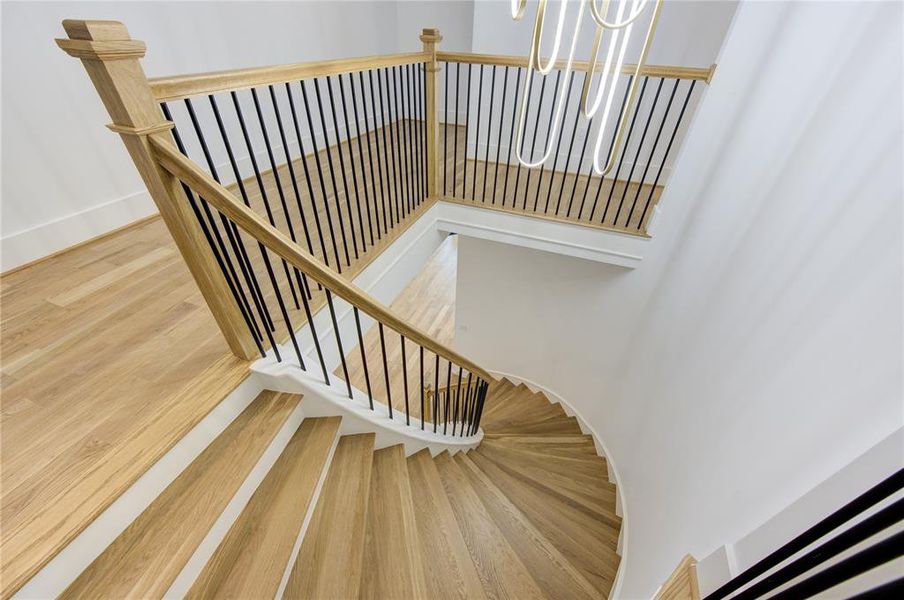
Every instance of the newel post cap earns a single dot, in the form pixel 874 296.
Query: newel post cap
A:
pixel 99 40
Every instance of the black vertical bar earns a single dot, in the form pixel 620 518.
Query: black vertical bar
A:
pixel 499 137
pixel 260 183
pixel 422 82
pixel 555 160
pixel 464 177
pixel 260 246
pixel 310 318
pixel 398 145
pixel 666 155
pixel 241 185
pixel 370 395
pixel 387 150
pixel 446 133
pixel 405 380
pixel 577 171
pixel 280 192
pixel 329 301
pixel 373 109
pixel 351 160
pixel 665 116
pixel 574 131
pixel 523 135
pixel 373 183
pixel 508 156
pixel 477 136
pixel 238 247
pixel 348 198
pixel 307 178
pixel 435 391
pixel 457 403
pixel 385 369
pixel 455 132
pixel 611 145
pixel 421 364
pixel 533 144
pixel 221 255
pixel 405 91
pixel 624 149
pixel 293 179
pixel 486 156
pixel 413 133
pixel 467 414
pixel 555 92
pixel 326 198
pixel 643 137
pixel 329 158
pixel 446 395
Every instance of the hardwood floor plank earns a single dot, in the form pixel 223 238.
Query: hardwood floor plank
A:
pixel 145 559
pixel 252 558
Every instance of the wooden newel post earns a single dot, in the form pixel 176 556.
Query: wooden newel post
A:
pixel 111 59
pixel 431 39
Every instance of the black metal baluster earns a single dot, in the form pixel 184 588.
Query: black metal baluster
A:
pixel 373 184
pixel 232 279
pixel 464 177
pixel 533 144
pixel 385 369
pixel 555 159
pixel 280 192
pixel 422 100
pixel 643 137
pixel 406 132
pixel 457 403
pixel 387 149
pixel 421 364
pixel 665 116
pixel 370 395
pixel 446 133
pixel 486 156
pixel 667 150
pixel 435 391
pixel 499 137
pixel 326 197
pixel 260 183
pixel 307 179
pixel 599 186
pixel 477 136
pixel 555 93
pixel 310 318
pixel 348 382
pixel 218 247
pixel 398 144
pixel 379 152
pixel 304 220
pixel 348 198
pixel 523 135
pixel 466 414
pixel 574 131
pixel 270 327
pixel 351 160
pixel 508 156
pixel 455 132
pixel 624 148
pixel 414 134
pixel 405 380
pixel 577 171
pixel 446 396
pixel 329 158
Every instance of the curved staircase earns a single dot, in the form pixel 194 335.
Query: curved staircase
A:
pixel 529 514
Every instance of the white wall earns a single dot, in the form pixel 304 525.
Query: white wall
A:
pixel 758 348
pixel 66 178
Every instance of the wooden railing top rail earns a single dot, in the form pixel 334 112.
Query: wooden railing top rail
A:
pixel 187 171
pixel 700 74
pixel 185 86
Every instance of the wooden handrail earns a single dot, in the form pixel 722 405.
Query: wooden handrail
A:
pixel 182 168
pixel 700 74
pixel 185 86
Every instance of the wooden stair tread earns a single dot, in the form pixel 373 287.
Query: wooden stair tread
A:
pixel 586 541
pixel 553 573
pixel 147 557
pixel 553 425
pixel 330 561
pixel 585 464
pixel 391 547
pixel 449 571
pixel 501 571
pixel 252 558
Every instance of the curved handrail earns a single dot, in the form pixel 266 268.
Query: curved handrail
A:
pixel 182 168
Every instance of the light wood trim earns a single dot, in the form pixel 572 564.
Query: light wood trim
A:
pixel 700 74
pixel 682 583
pixel 110 57
pixel 185 86
pixel 431 39
pixel 185 170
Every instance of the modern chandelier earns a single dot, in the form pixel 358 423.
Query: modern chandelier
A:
pixel 620 30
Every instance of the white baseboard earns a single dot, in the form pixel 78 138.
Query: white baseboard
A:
pixel 620 508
